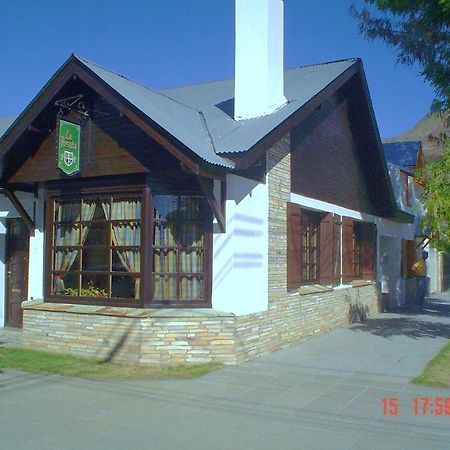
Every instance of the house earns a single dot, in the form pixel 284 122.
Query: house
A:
pixel 218 221
pixel 403 159
pixel 401 249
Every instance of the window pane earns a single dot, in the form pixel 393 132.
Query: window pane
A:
pixel 163 235
pixel 67 235
pixel 164 287
pixel 126 208
pixel 191 261
pixel 95 286
pixel 66 284
pixel 166 207
pixel 191 288
pixel 165 260
pixel 67 210
pixel 101 211
pixel 95 234
pixel 130 259
pixel 66 259
pixel 125 287
pixel 191 208
pixel 191 234
pixel 96 258
pixel 126 234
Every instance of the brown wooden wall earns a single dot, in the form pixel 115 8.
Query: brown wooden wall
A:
pixel 110 145
pixel 334 154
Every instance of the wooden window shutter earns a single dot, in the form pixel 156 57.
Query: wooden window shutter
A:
pixel 294 246
pixel 368 251
pixel 347 249
pixel 337 226
pixel 330 258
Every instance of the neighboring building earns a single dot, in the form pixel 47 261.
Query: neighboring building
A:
pixel 403 158
pixel 217 221
pixel 401 250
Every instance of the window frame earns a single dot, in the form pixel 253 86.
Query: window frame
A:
pixel 178 274
pixel 310 221
pixel 69 190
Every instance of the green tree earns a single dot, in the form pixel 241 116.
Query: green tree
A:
pixel 420 32
pixel 436 200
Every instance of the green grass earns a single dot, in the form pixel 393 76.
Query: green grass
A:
pixel 73 366
pixel 437 371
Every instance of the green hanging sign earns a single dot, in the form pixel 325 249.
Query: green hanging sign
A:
pixel 68 147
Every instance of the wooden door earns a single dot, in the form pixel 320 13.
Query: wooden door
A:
pixel 17 256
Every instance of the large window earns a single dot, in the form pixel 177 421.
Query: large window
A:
pixel 328 249
pixel 179 247
pixel 96 247
pixel 106 249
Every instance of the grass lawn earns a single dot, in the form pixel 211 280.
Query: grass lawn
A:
pixel 73 366
pixel 437 371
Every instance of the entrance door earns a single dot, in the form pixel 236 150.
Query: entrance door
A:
pixel 17 255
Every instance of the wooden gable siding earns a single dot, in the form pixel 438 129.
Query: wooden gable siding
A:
pixel 331 160
pixel 110 145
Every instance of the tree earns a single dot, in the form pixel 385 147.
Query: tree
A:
pixel 420 31
pixel 436 200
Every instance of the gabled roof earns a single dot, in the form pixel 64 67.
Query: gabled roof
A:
pixel 215 101
pixel 181 121
pixel 200 116
pixel 403 154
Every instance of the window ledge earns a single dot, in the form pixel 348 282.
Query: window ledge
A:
pixel 313 289
pixel 39 305
pixel 360 283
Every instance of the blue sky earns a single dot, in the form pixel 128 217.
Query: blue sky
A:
pixel 162 43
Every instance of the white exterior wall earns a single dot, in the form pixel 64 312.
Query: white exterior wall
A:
pixel 7 211
pixel 240 256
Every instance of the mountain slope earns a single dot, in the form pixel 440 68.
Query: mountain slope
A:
pixel 430 131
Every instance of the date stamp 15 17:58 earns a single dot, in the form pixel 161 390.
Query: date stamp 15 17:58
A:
pixel 421 406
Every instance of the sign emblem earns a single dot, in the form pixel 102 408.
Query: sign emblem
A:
pixel 69 147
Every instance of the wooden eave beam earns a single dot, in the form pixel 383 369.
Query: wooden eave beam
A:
pixel 216 208
pixel 20 209
pixel 36 107
pixel 243 162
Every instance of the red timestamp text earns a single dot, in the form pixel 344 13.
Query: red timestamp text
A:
pixel 421 406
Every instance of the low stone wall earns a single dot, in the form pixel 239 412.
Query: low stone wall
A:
pixel 192 336
pixel 131 335
pixel 298 316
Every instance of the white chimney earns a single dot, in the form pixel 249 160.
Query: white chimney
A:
pixel 258 58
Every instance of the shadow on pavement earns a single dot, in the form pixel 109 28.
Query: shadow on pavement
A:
pixel 414 323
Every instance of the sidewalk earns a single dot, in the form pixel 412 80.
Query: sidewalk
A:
pixel 326 393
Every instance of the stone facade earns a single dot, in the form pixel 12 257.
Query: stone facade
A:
pixel 191 336
pixel 125 334
pixel 168 336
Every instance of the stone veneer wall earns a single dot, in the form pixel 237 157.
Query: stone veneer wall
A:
pixel 293 317
pixel 190 336
pixel 131 335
